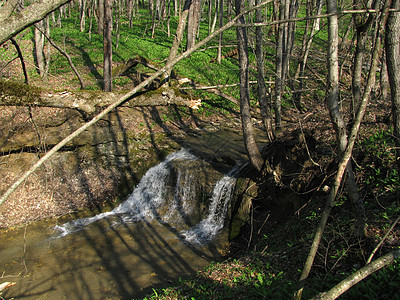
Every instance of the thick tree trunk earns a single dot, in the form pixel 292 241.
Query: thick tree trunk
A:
pixel 82 11
pixel 11 25
pixel 100 16
pixel 392 42
pixel 107 46
pixel 250 143
pixel 193 23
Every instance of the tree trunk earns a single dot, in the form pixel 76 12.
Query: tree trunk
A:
pixel 392 43
pixel 362 27
pixel 175 8
pixel 15 94
pixel 221 23
pixel 305 52
pixel 262 89
pixel 291 9
pixel 82 10
pixel 193 22
pixel 39 47
pixel 249 140
pixel 14 42
pixel 46 21
pixel 107 46
pixel 215 18
pixel 92 14
pixel 361 38
pixel 130 12
pixel 384 79
pixel 153 17
pixel 116 21
pixel 183 16
pixel 338 123
pixel 100 16
pixel 7 8
pixel 279 66
pixel 15 23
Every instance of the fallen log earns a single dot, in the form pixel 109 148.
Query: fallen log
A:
pixel 132 63
pixel 17 94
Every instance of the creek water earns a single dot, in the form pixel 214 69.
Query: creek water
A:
pixel 147 241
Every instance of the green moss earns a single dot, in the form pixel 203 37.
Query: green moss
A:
pixel 19 91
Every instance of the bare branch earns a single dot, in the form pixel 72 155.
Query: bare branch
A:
pixel 383 239
pixel 359 275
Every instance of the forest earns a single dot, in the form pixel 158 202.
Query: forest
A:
pixel 319 79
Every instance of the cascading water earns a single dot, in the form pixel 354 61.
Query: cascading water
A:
pixel 214 222
pixel 150 200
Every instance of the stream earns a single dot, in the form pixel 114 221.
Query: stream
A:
pixel 153 238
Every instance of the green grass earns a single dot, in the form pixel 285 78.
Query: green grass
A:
pixel 380 170
pixel 253 279
pixel 88 50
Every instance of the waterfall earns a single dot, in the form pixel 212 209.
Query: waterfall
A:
pixel 149 200
pixel 208 228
